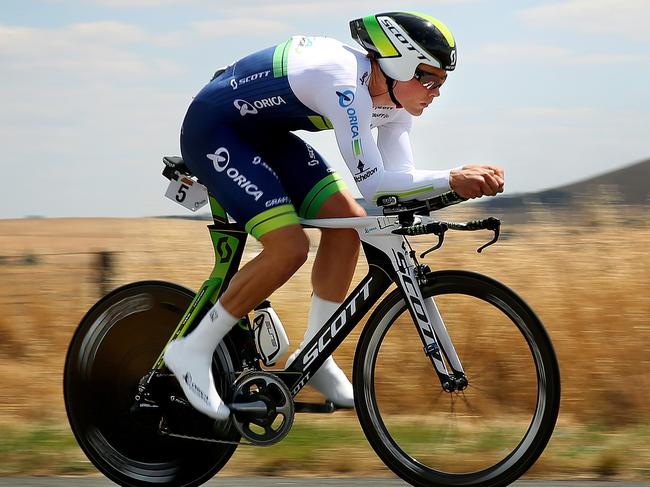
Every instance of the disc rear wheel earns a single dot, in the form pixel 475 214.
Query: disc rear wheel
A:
pixel 115 345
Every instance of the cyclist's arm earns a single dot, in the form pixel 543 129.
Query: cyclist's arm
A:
pixel 362 155
pixel 470 181
pixel 394 143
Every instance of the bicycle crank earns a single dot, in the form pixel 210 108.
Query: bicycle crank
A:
pixel 262 408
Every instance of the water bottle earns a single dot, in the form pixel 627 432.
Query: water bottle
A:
pixel 270 337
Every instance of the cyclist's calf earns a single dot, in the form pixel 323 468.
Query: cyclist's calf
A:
pixel 285 250
pixel 338 251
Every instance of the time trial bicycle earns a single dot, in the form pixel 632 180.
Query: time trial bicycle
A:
pixel 455 379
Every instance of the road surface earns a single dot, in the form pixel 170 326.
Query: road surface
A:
pixel 290 482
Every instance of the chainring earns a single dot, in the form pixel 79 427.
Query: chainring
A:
pixel 270 428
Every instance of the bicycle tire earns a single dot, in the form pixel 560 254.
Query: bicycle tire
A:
pixel 458 462
pixel 115 344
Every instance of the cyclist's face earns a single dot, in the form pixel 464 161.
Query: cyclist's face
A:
pixel 415 95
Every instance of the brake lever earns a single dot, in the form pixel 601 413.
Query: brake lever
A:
pixel 440 232
pixel 492 224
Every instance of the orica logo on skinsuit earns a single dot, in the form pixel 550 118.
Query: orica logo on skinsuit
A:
pixel 220 159
pixel 346 98
pixel 244 107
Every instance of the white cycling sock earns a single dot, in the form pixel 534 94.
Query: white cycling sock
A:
pixel 329 380
pixel 190 359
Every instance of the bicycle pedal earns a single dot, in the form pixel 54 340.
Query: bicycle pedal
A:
pixel 320 408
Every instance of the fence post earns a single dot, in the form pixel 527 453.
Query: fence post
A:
pixel 105 264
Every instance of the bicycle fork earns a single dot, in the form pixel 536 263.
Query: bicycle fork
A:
pixel 429 323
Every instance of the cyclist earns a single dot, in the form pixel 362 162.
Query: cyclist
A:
pixel 237 138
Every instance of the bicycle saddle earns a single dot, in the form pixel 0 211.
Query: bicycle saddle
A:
pixel 173 164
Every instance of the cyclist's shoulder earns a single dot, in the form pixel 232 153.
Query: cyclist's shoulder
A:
pixel 326 56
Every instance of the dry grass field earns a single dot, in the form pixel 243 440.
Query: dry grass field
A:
pixel 590 285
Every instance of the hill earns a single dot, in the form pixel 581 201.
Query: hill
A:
pixel 628 185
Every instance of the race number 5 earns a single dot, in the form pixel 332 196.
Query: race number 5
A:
pixel 187 193
pixel 182 193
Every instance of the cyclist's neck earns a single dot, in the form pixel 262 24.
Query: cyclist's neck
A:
pixel 377 86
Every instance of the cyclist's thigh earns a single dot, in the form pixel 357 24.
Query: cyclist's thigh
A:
pixel 305 175
pixel 340 205
pixel 231 169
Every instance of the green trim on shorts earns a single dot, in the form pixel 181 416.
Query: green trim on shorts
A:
pixel 280 56
pixel 272 219
pixel 323 189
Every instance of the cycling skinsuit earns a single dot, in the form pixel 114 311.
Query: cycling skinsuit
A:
pixel 237 135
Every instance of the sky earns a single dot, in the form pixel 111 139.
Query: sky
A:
pixel 93 93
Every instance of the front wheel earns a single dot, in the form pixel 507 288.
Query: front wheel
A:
pixel 487 435
pixel 116 343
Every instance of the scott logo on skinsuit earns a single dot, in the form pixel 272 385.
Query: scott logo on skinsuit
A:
pixel 235 83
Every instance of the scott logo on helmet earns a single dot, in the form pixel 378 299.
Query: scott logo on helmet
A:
pixel 400 37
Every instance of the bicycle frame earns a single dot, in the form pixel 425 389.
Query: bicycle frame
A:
pixel 389 260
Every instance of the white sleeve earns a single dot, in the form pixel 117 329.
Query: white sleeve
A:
pixel 401 178
pixel 349 110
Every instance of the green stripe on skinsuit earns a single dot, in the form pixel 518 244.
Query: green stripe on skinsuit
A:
pixel 356 147
pixel 322 190
pixel 285 58
pixel 321 123
pixel 272 219
pixel 400 195
pixel 280 59
pixel 379 39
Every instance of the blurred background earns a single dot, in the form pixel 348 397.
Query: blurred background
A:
pixel 93 94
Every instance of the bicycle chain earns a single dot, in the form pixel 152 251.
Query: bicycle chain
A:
pixel 164 430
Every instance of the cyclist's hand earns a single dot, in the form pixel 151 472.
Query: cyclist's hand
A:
pixel 475 180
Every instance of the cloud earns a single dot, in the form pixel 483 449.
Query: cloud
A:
pixel 292 8
pixel 542 54
pixel 273 8
pixel 130 3
pixel 104 32
pixel 238 26
pixel 95 49
pixel 625 19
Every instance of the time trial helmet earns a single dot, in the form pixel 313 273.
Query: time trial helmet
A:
pixel 403 40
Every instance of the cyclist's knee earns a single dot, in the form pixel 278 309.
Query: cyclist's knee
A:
pixel 288 246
